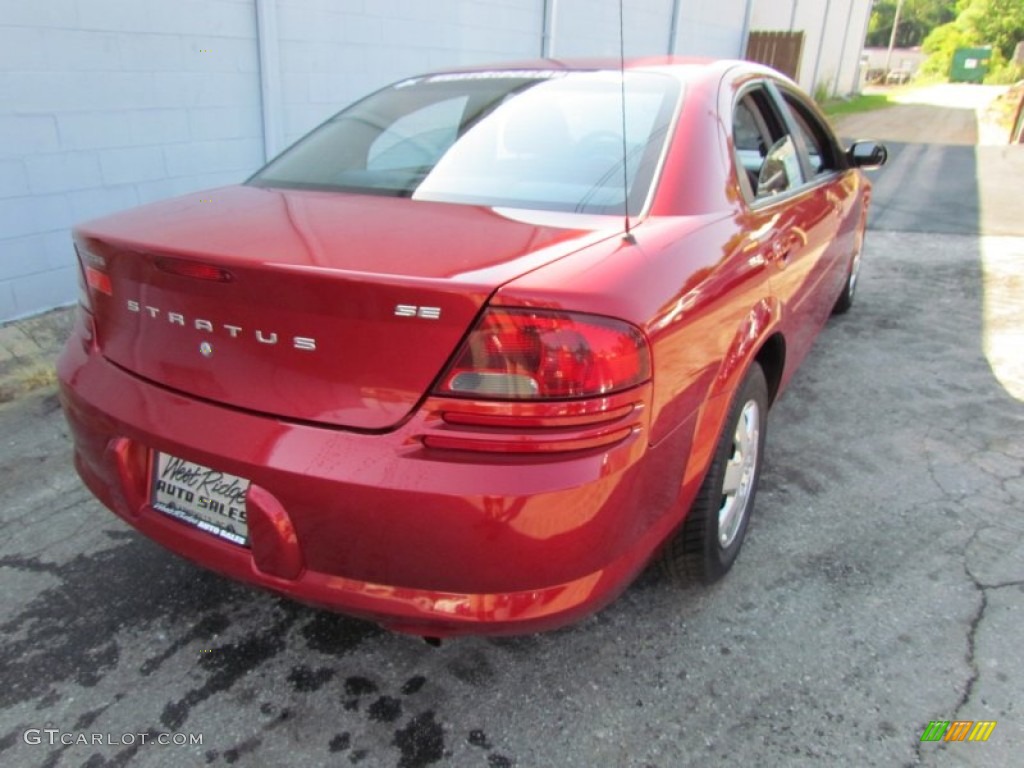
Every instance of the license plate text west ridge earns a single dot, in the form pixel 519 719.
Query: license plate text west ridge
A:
pixel 211 500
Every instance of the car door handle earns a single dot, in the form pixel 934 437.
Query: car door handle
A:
pixel 835 202
pixel 781 248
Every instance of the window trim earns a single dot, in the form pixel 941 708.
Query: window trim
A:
pixel 780 91
pixel 783 112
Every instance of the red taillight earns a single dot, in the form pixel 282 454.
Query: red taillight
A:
pixel 521 354
pixel 93 275
pixel 98 281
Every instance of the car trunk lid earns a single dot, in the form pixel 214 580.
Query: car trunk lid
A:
pixel 312 306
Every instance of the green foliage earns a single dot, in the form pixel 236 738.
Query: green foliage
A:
pixel 940 46
pixel 861 103
pixel 821 92
pixel 917 19
pixel 1003 72
pixel 996 23
pixel 999 23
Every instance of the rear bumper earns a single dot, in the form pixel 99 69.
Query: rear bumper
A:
pixel 421 540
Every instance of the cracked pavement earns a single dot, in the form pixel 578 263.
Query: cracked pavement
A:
pixel 881 585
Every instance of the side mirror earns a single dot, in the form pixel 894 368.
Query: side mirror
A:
pixel 867 155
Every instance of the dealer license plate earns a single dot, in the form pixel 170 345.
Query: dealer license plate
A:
pixel 211 500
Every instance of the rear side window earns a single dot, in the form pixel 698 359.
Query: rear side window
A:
pixel 767 160
pixel 748 135
pixel 822 153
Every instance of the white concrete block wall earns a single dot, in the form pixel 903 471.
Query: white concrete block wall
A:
pixel 591 27
pixel 829 25
pixel 833 24
pixel 712 29
pixel 847 56
pixel 810 17
pixel 335 51
pixel 105 104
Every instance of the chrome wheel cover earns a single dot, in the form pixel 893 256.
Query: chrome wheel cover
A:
pixel 740 471
pixel 854 273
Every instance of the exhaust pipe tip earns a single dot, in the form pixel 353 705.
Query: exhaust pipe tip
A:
pixel 433 642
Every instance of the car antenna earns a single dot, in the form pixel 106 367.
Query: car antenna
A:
pixel 627 236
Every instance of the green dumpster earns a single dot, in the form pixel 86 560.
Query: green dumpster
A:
pixel 970 65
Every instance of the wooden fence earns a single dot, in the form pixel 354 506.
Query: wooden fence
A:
pixel 781 50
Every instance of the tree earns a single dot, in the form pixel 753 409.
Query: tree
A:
pixel 917 19
pixel 999 23
pixel 995 23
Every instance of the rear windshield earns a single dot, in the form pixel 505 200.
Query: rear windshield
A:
pixel 539 140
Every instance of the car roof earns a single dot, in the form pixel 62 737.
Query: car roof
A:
pixel 687 68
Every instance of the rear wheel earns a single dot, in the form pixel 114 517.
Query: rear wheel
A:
pixel 845 300
pixel 706 546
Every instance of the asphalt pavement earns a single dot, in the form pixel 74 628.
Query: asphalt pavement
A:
pixel 881 586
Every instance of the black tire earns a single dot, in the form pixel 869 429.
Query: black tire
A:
pixel 699 551
pixel 845 300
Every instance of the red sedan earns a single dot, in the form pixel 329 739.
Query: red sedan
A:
pixel 469 355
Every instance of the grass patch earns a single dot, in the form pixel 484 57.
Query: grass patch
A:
pixel 864 102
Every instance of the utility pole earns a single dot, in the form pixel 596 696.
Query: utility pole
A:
pixel 892 37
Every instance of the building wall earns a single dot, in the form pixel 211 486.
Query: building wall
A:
pixel 107 104
pixel 335 51
pixel 834 32
pixel 717 28
pixel 591 27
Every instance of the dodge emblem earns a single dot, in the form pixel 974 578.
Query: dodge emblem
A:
pixel 206 349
